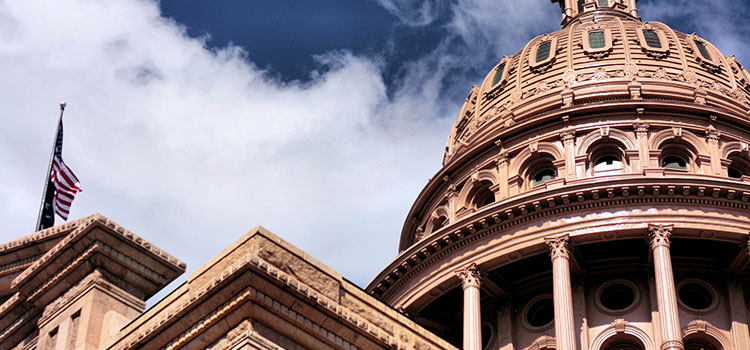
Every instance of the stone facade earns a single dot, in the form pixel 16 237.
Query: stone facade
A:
pixel 594 195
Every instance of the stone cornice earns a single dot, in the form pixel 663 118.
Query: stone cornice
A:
pixel 87 225
pixel 576 195
pixel 390 331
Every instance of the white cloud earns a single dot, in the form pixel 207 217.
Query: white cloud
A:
pixel 190 147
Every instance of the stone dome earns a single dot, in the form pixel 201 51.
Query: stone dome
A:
pixel 629 60
pixel 582 157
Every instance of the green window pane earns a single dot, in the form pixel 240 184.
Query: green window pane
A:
pixel 580 5
pixel 596 39
pixel 498 75
pixel 652 38
pixel 703 49
pixel 603 3
pixel 542 51
pixel 543 176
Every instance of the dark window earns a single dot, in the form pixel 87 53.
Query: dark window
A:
pixel 652 38
pixel 603 3
pixel 541 313
pixel 487 200
pixel 542 51
pixel 580 5
pixel 696 296
pixel 617 296
pixel 674 162
pixel 543 176
pixel 596 39
pixel 498 74
pixel 703 49
pixel 734 173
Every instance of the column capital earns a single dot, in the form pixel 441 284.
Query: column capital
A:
pixel 712 135
pixel 659 235
pixel 559 246
pixel 568 135
pixel 640 127
pixel 470 276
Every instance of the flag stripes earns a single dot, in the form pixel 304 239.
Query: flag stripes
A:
pixel 65 181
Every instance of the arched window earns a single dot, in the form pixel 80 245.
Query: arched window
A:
pixel 609 164
pixel 623 342
pixel 542 176
pixel 482 195
pixel 701 341
pixel 603 3
pixel 738 168
pixel 580 5
pixel 674 163
pixel 607 159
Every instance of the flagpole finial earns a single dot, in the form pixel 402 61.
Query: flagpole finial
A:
pixel 63 104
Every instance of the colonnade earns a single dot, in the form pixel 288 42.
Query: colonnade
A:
pixel 565 334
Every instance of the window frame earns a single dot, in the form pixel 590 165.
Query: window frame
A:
pixel 711 63
pixel 599 5
pixel 552 52
pixel 586 39
pixel 659 51
pixel 503 79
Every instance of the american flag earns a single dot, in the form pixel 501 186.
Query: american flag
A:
pixel 66 183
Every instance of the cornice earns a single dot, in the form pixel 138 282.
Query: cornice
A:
pixel 142 331
pixel 576 195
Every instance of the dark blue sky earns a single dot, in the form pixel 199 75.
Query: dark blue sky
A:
pixel 282 36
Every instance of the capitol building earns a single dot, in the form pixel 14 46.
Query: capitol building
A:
pixel 594 195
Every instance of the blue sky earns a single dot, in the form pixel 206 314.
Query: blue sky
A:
pixel 189 122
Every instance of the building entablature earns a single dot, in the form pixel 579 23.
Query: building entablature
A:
pixel 653 192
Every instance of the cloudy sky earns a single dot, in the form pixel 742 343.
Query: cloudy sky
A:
pixel 190 121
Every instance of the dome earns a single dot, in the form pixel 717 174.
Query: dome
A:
pixel 605 153
pixel 600 55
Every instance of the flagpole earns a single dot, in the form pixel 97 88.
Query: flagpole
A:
pixel 49 168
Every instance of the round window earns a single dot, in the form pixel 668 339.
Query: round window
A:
pixel 541 313
pixel 617 297
pixel 696 295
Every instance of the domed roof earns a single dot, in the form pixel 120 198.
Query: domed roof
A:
pixel 602 53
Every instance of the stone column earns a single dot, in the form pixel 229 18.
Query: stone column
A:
pixel 641 133
pixel 738 313
pixel 562 292
pixel 503 162
pixel 712 138
pixel 666 296
pixel 568 137
pixel 470 277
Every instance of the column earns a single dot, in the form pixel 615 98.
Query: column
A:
pixel 712 138
pixel 503 162
pixel 738 312
pixel 641 134
pixel 562 292
pixel 666 296
pixel 470 277
pixel 568 137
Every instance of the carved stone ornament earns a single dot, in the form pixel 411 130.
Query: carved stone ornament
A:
pixel 658 235
pixel 672 344
pixel 567 135
pixel 661 74
pixel 559 246
pixel 691 77
pixel 712 135
pixel 631 70
pixel 570 77
pixel 640 127
pixel 470 276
